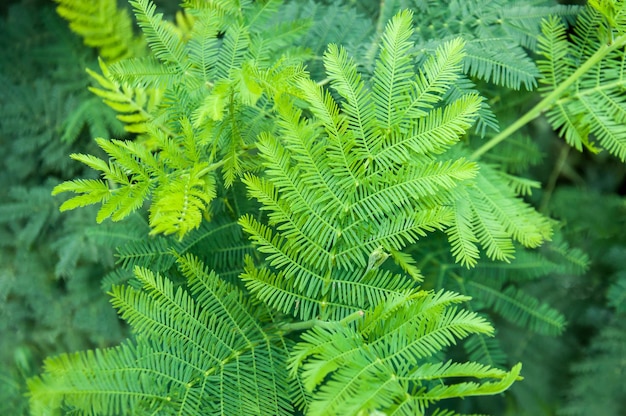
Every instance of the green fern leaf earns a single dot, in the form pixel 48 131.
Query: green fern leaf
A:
pixel 135 105
pixel 520 308
pixel 393 73
pixel 496 61
pixel 490 214
pixel 349 368
pixel 197 351
pixel 160 35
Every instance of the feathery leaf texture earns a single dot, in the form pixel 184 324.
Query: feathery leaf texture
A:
pixel 201 350
pixel 498 35
pixel 305 297
pixel 132 174
pixel 198 102
pixel 358 178
pixel 135 106
pixel 489 213
pixel 369 175
pixel 382 362
pixel 592 68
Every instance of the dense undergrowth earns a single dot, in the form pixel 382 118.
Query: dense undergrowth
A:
pixel 313 207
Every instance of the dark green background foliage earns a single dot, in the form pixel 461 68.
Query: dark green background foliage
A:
pixel 236 211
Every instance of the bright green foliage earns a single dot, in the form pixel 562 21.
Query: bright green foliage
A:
pixel 488 213
pixel 366 178
pixel 592 69
pixel 199 91
pixel 353 370
pixel 135 106
pixel 307 228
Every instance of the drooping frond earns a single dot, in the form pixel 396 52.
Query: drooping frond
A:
pixel 520 308
pixel 135 106
pixel 197 351
pixel 381 363
pixel 584 78
pixel 490 213
pixel 495 61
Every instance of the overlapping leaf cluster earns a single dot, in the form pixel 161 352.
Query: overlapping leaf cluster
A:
pixel 584 78
pixel 355 182
pixel 199 99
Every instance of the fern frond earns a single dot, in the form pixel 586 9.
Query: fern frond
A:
pixel 331 203
pixel 197 351
pixel 393 71
pixel 160 35
pixel 438 74
pixel 494 60
pixel 433 134
pixel 134 105
pixel 203 44
pixel 350 369
pixel 520 308
pixel 181 200
pixel 523 21
pixel 359 107
pixel 490 213
pixel 199 102
pixel 74 384
pixel 235 43
pixel 485 350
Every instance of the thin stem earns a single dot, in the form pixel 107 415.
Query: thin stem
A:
pixel 300 326
pixel 554 176
pixel 549 100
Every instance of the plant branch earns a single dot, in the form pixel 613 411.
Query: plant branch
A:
pixel 549 100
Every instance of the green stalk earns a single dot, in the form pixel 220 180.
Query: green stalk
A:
pixel 299 326
pixel 549 100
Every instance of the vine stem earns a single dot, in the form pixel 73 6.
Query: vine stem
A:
pixel 550 98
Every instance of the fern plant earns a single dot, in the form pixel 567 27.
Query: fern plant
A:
pixel 375 196
pixel 319 268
